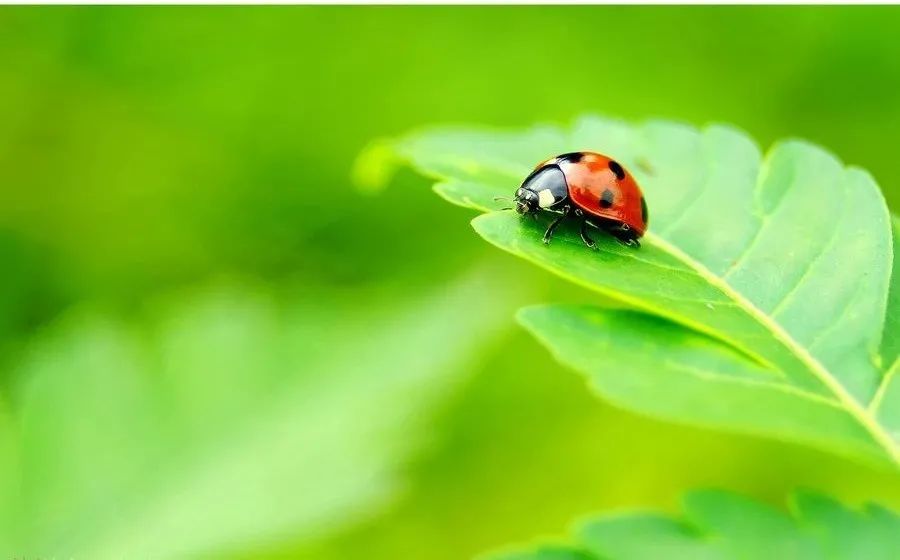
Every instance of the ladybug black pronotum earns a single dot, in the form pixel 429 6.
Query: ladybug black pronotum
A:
pixel 588 187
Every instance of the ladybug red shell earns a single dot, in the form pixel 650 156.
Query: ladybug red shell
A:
pixel 589 187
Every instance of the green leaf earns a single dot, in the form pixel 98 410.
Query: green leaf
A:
pixel 886 402
pixel 783 258
pixel 724 526
pixel 227 421
pixel 652 366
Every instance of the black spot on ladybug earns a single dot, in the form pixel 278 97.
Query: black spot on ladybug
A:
pixel 644 214
pixel 571 157
pixel 617 169
pixel 607 199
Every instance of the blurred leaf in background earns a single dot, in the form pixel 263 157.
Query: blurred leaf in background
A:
pixel 149 152
pixel 225 421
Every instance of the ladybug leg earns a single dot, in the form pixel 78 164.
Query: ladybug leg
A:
pixel 585 237
pixel 554 224
pixel 625 236
pixel 626 240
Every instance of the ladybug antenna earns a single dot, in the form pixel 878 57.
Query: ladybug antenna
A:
pixel 503 199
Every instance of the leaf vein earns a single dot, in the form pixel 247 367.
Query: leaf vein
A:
pixel 787 298
pixel 862 415
pixel 707 180
pixel 783 387
pixel 875 403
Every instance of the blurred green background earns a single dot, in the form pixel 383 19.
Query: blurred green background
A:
pixel 211 343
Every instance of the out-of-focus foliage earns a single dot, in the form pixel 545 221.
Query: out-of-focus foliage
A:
pixel 736 252
pixel 228 422
pixel 146 154
pixel 723 526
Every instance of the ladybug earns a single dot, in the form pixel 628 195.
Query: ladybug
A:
pixel 588 187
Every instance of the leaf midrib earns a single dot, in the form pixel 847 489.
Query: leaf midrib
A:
pixel 860 413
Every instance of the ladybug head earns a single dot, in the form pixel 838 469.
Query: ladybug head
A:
pixel 526 201
pixel 544 188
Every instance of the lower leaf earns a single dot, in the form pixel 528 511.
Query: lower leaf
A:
pixel 724 526
pixel 650 365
